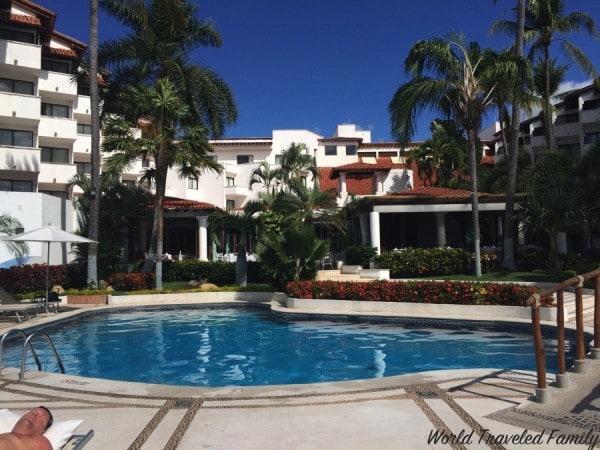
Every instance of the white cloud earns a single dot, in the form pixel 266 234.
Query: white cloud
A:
pixel 571 85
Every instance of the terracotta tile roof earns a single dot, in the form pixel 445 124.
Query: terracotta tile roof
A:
pixel 356 185
pixel 382 164
pixel 176 204
pixel 390 144
pixel 430 191
pixel 53 51
pixel 488 160
pixel 22 19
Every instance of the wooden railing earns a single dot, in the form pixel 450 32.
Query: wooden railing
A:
pixel 536 301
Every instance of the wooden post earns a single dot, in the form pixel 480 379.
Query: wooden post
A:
pixel 560 319
pixel 580 353
pixel 540 354
pixel 597 314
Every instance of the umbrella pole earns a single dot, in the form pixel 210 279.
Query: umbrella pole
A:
pixel 47 277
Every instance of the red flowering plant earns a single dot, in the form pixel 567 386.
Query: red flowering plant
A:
pixel 131 281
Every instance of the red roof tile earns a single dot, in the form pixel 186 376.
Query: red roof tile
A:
pixel 382 164
pixel 488 160
pixel 22 19
pixel 356 185
pixel 61 52
pixel 175 204
pixel 430 191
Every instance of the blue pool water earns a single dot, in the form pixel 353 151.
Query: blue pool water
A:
pixel 224 347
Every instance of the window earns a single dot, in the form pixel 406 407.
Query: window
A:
pixel 54 65
pixel 50 109
pixel 55 155
pixel 211 157
pixel 193 183
pixel 277 159
pixel 350 150
pixel 230 205
pixel 83 128
pixel 592 138
pixel 330 150
pixel 29 37
pixel 16 86
pixel 304 181
pixel 16 185
pixel 84 168
pixel 567 118
pixel 501 150
pixel 16 138
pixel 244 159
pixel 591 104
pixel 540 131
pixel 145 162
pixel 230 181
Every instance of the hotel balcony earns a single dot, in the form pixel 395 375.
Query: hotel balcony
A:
pixel 237 192
pixel 57 173
pixel 21 55
pixel 590 115
pixel 82 107
pixel 20 109
pixel 83 144
pixel 562 130
pixel 55 85
pixel 57 128
pixel 25 159
pixel 538 140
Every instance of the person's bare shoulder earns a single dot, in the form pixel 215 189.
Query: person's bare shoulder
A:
pixel 41 443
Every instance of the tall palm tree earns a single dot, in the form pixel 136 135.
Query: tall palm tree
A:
pixel 452 77
pixel 296 163
pixel 161 36
pixel 547 23
pixel 92 260
pixel 8 226
pixel 167 138
pixel 266 176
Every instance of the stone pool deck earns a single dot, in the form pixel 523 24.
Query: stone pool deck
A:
pixel 387 413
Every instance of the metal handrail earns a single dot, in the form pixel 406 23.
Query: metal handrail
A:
pixel 24 335
pixel 535 302
pixel 52 347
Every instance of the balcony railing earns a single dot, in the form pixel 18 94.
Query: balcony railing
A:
pixel 57 127
pixel 20 107
pixel 57 84
pixel 26 159
pixel 20 54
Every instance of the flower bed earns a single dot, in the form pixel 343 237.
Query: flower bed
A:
pixel 449 292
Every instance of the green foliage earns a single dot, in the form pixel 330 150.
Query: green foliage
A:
pixel 215 272
pixel 359 255
pixel 494 179
pixel 292 255
pixel 423 262
pixel 8 226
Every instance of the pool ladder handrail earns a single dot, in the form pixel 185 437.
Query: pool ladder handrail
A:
pixel 17 331
pixel 52 347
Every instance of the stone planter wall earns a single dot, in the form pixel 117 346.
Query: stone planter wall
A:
pixel 93 299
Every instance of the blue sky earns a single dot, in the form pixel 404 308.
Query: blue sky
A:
pixel 312 64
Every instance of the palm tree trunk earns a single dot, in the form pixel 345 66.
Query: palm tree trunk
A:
pixel 508 258
pixel 241 263
pixel 547 103
pixel 503 129
pixel 472 136
pixel 92 260
pixel 554 258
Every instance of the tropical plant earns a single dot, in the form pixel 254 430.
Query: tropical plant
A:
pixel 266 176
pixel 547 23
pixel 292 255
pixel 587 176
pixel 296 163
pixel 92 260
pixel 167 138
pixel 244 224
pixel 455 78
pixel 161 38
pixel 8 226
pixel 442 157
pixel 494 178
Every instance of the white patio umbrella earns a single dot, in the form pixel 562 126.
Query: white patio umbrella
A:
pixel 47 234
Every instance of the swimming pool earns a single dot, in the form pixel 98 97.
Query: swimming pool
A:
pixel 248 347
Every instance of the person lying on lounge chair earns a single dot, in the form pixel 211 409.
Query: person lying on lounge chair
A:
pixel 28 432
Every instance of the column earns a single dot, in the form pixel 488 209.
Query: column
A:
pixel 364 228
pixel 440 223
pixel 342 183
pixel 202 238
pixel 521 234
pixel 379 178
pixel 375 232
pixel 562 243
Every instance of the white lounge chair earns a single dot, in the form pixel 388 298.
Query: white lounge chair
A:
pixel 10 307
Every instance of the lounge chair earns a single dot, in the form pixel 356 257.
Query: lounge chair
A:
pixel 9 306
pixel 78 441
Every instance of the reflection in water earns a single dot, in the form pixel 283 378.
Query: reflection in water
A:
pixel 379 363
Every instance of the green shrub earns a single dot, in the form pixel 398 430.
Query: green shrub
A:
pixel 359 255
pixel 424 262
pixel 215 272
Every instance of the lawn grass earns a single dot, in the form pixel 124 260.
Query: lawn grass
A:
pixel 508 276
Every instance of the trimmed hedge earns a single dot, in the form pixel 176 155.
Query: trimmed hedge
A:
pixel 131 281
pixel 216 272
pixel 359 255
pixel 449 292
pixel 32 277
pixel 424 262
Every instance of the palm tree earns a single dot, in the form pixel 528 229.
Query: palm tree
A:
pixel 92 260
pixel 266 176
pixel 168 138
pixel 8 226
pixel 292 255
pixel 296 163
pixel 244 224
pixel 546 23
pixel 313 205
pixel 161 37
pixel 452 77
